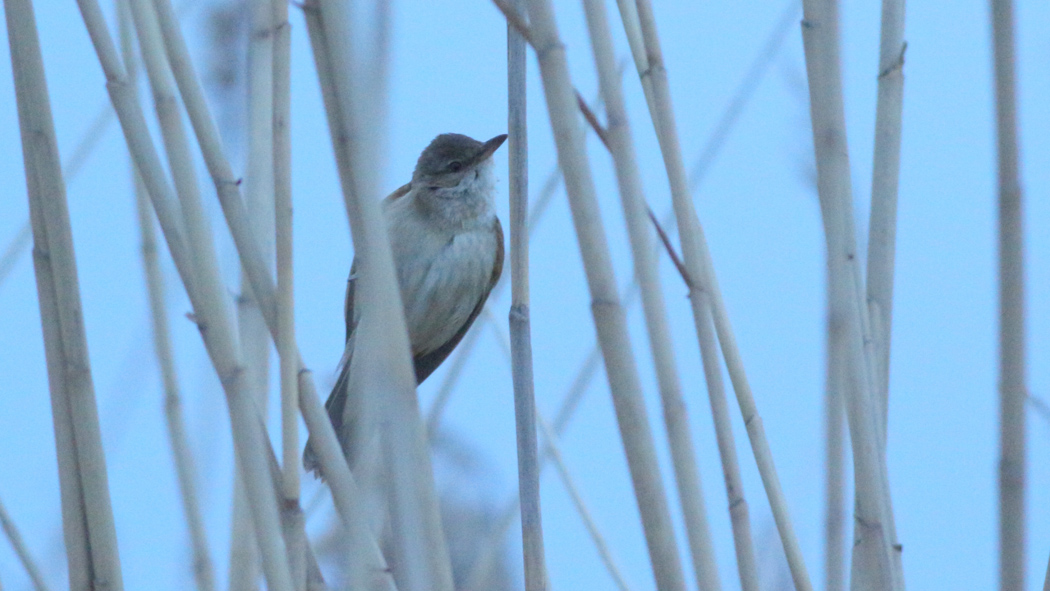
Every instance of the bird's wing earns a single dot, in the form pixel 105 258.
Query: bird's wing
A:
pixel 426 363
pixel 348 304
pixel 336 403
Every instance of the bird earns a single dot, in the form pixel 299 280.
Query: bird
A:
pixel 447 245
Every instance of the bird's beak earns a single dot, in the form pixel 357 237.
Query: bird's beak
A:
pixel 490 147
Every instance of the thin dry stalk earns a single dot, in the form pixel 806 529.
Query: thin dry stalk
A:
pixel 244 566
pixel 520 330
pixel 552 448
pixel 344 490
pixel 1012 353
pixel 90 533
pixel 491 547
pixel 203 570
pixel 282 172
pixel 282 166
pixel 552 451
pixel 84 146
pixel 834 454
pixel 873 564
pixel 618 140
pixel 706 300
pixel 205 289
pixel 341 482
pixel 589 367
pixel 19 546
pixel 381 373
pixel 609 316
pixel 882 229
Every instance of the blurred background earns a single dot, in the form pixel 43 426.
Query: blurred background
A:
pixel 756 198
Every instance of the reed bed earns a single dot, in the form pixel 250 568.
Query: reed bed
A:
pixel 388 507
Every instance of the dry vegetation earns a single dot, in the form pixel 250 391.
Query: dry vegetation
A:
pixel 389 529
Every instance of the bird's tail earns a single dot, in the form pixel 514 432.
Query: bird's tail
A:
pixel 337 413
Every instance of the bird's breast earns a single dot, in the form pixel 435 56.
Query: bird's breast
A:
pixel 443 275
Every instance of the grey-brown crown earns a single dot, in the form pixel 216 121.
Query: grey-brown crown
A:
pixel 450 153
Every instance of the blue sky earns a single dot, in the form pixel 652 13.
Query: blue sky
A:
pixel 764 229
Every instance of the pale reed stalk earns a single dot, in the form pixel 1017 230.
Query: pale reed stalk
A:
pixel 882 228
pixel 676 419
pixel 492 544
pixel 592 361
pixel 19 546
pixel 520 329
pixel 873 564
pixel 206 293
pixel 74 164
pixel 381 373
pixel 552 452
pixel 706 299
pixel 90 533
pixel 185 471
pixel 609 316
pixel 244 565
pixel 344 490
pixel 834 452
pixel 282 173
pixel 493 541
pixel 1012 352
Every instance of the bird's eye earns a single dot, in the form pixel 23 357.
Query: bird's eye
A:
pixel 455 166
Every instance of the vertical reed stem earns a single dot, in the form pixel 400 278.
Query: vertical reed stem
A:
pixel 882 232
pixel 245 565
pixel 282 173
pixel 874 565
pixel 90 533
pixel 1012 353
pixel 520 331
pixel 834 442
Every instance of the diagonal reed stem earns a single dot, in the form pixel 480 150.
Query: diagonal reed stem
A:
pixel 380 373
pixel 873 564
pixel 203 569
pixel 619 142
pixel 609 316
pixel 706 299
pixel 19 546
